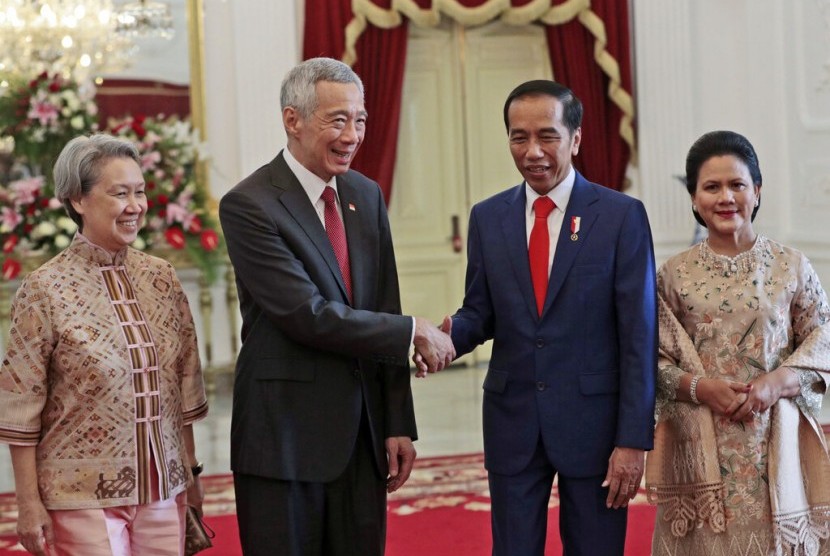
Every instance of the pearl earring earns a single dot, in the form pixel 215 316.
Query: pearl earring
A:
pixel 757 202
pixel 694 208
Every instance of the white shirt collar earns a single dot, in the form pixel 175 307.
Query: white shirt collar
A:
pixel 311 182
pixel 560 194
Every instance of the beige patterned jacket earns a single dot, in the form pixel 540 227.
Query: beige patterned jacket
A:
pixel 101 373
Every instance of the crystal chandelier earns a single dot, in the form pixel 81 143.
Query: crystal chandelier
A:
pixel 145 19
pixel 76 38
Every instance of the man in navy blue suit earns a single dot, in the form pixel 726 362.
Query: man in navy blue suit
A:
pixel 565 287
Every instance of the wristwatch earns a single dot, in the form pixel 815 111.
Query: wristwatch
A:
pixel 197 469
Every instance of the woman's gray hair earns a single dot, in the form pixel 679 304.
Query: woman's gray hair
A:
pixel 299 86
pixel 79 165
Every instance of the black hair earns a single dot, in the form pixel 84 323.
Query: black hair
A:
pixel 572 107
pixel 721 143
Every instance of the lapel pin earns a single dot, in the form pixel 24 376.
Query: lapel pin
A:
pixel 575 227
pixel 352 207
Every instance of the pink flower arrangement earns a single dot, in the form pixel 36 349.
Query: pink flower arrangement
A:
pixel 45 112
pixel 176 215
pixel 31 221
pixel 41 116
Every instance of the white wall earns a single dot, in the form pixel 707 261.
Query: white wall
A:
pixel 249 46
pixel 753 66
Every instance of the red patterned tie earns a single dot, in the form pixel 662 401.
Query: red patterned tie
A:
pixel 337 236
pixel 539 249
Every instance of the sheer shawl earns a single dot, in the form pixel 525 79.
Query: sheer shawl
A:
pixel 683 472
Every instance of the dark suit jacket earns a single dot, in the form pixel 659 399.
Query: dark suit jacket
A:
pixel 309 361
pixel 582 375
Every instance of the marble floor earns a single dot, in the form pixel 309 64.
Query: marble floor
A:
pixel 447 407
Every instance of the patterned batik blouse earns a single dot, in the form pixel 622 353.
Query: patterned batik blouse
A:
pixel 101 373
pixel 746 315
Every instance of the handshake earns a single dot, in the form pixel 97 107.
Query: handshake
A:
pixel 433 346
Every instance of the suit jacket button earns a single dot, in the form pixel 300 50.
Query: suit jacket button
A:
pixel 540 386
pixel 540 343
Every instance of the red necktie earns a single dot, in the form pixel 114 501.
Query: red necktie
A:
pixel 539 249
pixel 337 236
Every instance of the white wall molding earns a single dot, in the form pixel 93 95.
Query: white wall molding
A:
pixel 665 117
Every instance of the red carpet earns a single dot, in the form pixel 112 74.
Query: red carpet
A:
pixel 444 510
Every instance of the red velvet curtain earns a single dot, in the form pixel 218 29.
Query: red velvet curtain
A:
pixel 381 58
pixel 603 156
pixel 117 98
pixel 325 28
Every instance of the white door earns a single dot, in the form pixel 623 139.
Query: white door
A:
pixel 453 151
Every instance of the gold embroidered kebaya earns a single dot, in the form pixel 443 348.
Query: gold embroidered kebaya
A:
pixel 101 372
pixel 754 488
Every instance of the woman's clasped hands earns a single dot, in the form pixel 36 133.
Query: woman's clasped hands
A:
pixel 741 401
pixel 723 397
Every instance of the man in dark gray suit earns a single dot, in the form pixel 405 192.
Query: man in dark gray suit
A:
pixel 323 420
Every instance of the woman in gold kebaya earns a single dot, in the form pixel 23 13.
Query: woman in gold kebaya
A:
pixel 740 465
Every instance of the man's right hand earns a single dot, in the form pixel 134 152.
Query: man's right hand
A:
pixel 433 346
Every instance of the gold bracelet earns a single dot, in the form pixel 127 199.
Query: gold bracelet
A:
pixel 693 389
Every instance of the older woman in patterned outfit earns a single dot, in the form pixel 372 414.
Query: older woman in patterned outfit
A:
pixel 740 466
pixel 101 380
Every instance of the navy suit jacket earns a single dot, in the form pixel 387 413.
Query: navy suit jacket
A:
pixel 310 361
pixel 582 375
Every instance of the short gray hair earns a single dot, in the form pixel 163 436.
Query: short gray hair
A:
pixel 78 167
pixel 299 86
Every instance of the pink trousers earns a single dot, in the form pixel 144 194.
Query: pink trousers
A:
pixel 155 529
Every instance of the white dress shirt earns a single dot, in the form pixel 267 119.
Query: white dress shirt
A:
pixel 560 195
pixel 313 186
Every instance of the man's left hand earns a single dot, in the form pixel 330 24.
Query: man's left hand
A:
pixel 401 454
pixel 625 471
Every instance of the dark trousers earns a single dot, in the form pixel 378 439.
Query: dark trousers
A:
pixel 520 513
pixel 346 517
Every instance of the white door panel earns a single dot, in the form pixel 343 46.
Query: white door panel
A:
pixel 453 151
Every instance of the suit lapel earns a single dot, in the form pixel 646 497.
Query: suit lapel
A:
pixel 296 202
pixel 580 204
pixel 514 226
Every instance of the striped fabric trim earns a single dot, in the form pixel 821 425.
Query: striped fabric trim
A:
pixel 195 414
pixel 146 383
pixel 20 438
